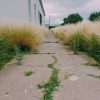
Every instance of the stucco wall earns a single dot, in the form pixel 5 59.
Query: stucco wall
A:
pixel 13 11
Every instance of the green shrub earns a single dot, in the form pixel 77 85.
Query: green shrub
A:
pixel 77 42
pixel 19 55
pixel 73 19
pixel 94 47
pixel 89 44
pixel 6 54
pixel 95 16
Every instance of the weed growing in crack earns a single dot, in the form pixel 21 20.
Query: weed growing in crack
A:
pixel 40 86
pixel 52 84
pixel 28 73
pixel 95 76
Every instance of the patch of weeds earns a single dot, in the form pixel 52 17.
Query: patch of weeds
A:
pixel 93 49
pixel 40 86
pixel 35 51
pixel 95 76
pixel 19 55
pixel 77 42
pixel 28 73
pixel 6 54
pixel 52 84
pixel 50 65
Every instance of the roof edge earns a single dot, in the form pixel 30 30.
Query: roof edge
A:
pixel 42 6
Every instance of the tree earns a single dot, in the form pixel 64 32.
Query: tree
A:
pixel 73 19
pixel 95 16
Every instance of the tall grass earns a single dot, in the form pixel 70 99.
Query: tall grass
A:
pixel 81 37
pixel 77 42
pixel 22 37
pixel 25 37
pixel 5 53
pixel 93 48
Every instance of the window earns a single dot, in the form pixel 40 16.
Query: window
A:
pixel 40 18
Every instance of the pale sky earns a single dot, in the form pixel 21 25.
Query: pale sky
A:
pixel 58 9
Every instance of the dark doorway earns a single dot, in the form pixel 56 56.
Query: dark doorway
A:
pixel 40 18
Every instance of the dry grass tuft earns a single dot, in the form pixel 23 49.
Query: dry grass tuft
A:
pixel 86 28
pixel 27 36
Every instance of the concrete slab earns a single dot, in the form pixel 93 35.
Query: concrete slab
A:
pixel 77 86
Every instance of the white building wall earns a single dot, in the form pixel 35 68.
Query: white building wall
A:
pixel 13 11
pixel 16 11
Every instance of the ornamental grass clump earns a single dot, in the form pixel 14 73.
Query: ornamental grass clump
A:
pixel 77 42
pixel 23 37
pixel 5 53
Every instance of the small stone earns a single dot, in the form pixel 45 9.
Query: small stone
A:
pixel 73 78
pixel 26 91
pixel 3 93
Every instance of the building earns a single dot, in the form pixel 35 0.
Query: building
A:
pixel 22 11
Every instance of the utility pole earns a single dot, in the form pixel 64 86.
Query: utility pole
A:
pixel 49 20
